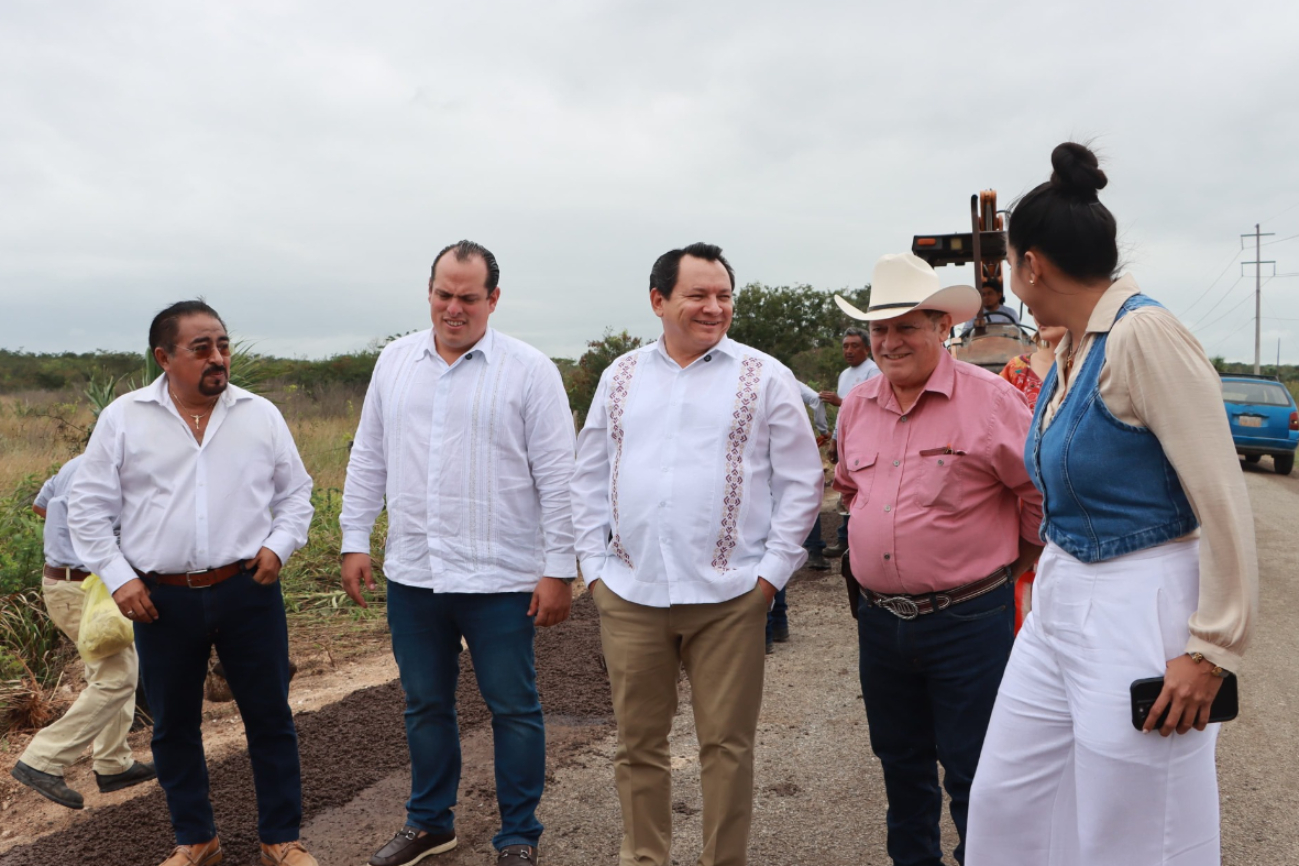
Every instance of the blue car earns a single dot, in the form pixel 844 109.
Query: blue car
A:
pixel 1263 419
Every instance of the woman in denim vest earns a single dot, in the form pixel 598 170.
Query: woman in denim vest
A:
pixel 1149 567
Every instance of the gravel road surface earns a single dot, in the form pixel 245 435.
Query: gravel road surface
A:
pixel 819 791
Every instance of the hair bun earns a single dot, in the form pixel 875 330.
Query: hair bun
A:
pixel 1077 171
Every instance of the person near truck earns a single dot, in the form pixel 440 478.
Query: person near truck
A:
pixel 1150 566
pixel 101 715
pixel 944 519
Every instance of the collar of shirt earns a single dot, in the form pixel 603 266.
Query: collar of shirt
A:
pixel 160 392
pixel 726 346
pixel 1102 317
pixel 941 381
pixel 484 348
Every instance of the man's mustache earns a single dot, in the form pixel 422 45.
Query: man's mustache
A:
pixel 217 369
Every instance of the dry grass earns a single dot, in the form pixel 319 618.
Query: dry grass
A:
pixel 38 430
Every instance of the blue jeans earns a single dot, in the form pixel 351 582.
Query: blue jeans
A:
pixel 778 616
pixel 929 685
pixel 426 630
pixel 814 543
pixel 245 622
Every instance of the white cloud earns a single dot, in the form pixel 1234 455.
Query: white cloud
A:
pixel 300 163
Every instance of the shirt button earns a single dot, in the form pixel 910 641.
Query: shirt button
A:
pixel 903 419
pixel 888 507
pixel 708 357
pixel 663 505
pixel 887 557
pixel 897 462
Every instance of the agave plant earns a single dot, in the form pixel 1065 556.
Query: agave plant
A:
pixel 248 370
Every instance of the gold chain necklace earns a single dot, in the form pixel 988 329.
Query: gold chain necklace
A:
pixel 180 404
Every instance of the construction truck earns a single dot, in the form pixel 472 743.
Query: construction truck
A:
pixel 991 343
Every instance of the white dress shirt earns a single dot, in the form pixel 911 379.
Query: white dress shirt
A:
pixel 474 459
pixel 850 378
pixel 693 482
pixel 186 506
pixel 813 402
pixel 54 499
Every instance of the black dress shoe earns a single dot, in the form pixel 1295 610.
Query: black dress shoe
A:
pixel 780 634
pixel 518 855
pixel 408 847
pixel 49 786
pixel 133 775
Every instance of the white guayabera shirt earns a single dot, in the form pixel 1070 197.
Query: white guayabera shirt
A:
pixel 693 482
pixel 186 506
pixel 474 460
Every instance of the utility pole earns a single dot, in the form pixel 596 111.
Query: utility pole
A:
pixel 1258 289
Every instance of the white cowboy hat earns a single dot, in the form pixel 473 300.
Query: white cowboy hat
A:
pixel 905 282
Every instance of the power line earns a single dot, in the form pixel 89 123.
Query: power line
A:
pixel 1281 241
pixel 1237 307
pixel 1221 298
pixel 1230 262
pixel 1284 212
pixel 1238 327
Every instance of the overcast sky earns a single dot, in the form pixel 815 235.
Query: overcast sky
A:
pixel 300 163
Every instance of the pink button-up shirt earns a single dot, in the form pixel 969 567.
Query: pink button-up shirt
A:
pixel 938 496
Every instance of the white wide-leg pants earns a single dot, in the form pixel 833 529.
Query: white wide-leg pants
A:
pixel 1064 779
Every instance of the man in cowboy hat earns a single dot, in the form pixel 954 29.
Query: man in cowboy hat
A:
pixel 944 519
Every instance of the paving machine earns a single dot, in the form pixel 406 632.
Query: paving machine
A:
pixel 991 343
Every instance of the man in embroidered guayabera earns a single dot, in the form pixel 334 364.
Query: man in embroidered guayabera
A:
pixel 697 480
pixel 944 520
pixel 467 438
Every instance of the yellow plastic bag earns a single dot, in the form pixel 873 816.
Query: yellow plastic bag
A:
pixel 104 631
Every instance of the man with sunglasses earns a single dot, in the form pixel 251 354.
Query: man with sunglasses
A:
pixel 212 499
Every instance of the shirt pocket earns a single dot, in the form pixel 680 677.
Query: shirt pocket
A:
pixel 941 473
pixel 860 463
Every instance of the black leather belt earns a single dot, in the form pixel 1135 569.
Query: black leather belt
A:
pixel 912 606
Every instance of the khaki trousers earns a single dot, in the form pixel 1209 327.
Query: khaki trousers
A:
pixel 722 647
pixel 101 715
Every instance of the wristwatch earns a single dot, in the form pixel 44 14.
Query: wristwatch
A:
pixel 1217 669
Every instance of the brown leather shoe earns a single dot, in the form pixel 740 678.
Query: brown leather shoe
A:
pixel 207 854
pixel 287 854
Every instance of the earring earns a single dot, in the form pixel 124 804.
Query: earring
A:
pixel 1031 281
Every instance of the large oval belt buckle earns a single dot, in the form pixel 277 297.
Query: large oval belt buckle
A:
pixel 900 606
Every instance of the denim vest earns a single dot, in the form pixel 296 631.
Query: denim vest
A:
pixel 1107 487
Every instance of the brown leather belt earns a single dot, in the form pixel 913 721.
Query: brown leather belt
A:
pixel 62 572
pixel 195 579
pixel 912 606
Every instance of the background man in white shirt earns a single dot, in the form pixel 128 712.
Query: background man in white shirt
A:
pixel 102 712
pixel 212 499
pixel 467 435
pixel 861 368
pixel 698 477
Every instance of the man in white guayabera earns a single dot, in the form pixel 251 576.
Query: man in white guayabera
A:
pixel 697 480
pixel 467 435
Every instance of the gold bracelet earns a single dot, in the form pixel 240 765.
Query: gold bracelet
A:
pixel 1217 669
